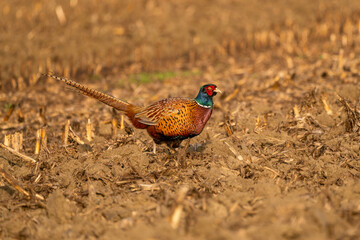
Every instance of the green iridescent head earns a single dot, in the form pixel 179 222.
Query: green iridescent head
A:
pixel 205 95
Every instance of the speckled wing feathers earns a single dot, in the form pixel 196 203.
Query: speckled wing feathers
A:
pixel 152 114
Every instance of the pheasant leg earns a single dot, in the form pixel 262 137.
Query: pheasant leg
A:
pixel 182 154
pixel 154 148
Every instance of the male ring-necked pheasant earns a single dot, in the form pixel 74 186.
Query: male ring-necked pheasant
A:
pixel 169 121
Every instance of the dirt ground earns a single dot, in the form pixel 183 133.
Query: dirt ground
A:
pixel 279 158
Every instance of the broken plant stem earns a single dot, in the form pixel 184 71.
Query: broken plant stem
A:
pixel 75 137
pixel 22 156
pixel 13 182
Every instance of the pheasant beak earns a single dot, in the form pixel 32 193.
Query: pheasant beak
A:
pixel 217 90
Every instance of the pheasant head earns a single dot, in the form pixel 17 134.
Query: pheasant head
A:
pixel 206 94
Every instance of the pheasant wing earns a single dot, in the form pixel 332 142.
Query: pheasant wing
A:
pixel 152 114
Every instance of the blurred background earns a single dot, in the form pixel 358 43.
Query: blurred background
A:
pixel 279 158
pixel 101 38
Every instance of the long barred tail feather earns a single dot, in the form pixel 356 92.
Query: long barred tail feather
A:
pixel 102 97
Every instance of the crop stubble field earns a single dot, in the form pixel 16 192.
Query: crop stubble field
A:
pixel 279 158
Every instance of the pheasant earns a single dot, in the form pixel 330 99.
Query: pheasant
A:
pixel 169 121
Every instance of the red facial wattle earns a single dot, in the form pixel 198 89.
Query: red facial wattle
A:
pixel 210 90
